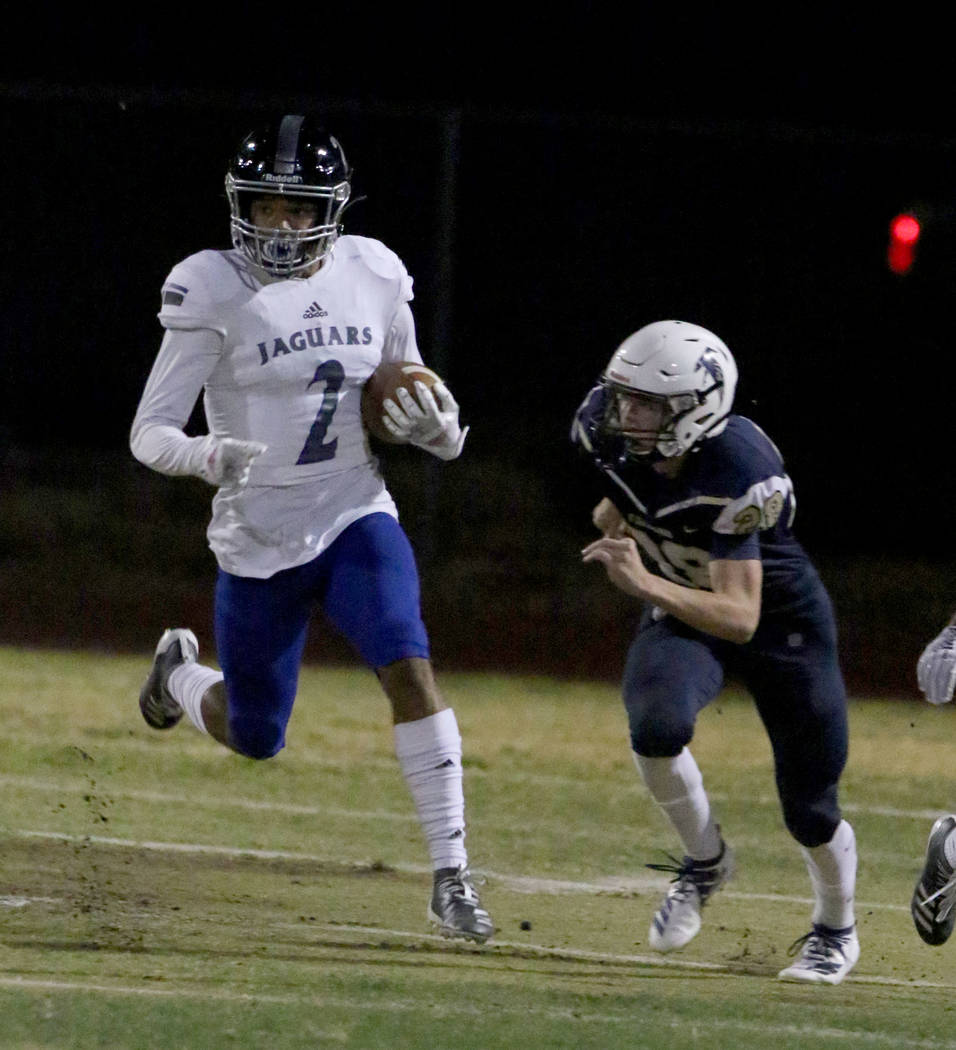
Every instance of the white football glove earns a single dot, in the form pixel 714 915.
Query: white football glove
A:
pixel 936 668
pixel 426 423
pixel 226 461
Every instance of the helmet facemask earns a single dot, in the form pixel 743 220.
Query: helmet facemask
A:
pixel 647 423
pixel 285 252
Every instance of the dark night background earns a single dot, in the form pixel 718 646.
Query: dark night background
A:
pixel 551 189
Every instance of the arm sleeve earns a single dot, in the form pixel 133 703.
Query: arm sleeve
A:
pixel 400 342
pixel 185 361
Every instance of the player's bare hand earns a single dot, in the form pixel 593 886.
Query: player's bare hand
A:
pixel 607 519
pixel 622 561
pixel 936 668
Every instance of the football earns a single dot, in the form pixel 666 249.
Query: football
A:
pixel 382 384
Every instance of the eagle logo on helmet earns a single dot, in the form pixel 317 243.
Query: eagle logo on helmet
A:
pixel 711 365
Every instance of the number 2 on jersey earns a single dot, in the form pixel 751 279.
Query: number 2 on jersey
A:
pixel 315 450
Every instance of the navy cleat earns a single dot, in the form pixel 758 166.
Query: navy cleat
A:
pixel 825 956
pixel 677 921
pixel 455 907
pixel 935 892
pixel 177 646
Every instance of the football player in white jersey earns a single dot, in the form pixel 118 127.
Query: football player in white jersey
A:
pixel 934 897
pixel 279 335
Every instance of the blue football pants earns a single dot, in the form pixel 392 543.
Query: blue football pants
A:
pixel 365 582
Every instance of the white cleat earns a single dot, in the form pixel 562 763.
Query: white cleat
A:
pixel 677 921
pixel 826 956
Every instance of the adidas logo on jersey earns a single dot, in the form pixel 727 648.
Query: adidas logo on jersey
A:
pixel 315 311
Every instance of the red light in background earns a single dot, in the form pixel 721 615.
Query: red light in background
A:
pixel 905 229
pixel 904 235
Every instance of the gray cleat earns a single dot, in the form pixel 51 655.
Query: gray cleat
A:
pixel 178 645
pixel 455 907
pixel 935 892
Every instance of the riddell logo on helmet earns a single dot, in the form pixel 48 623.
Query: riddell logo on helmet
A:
pixel 617 375
pixel 281 178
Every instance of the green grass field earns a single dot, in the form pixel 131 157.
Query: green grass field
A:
pixel 157 891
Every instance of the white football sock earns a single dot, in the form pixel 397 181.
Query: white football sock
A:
pixel 677 787
pixel 832 869
pixel 187 685
pixel 429 753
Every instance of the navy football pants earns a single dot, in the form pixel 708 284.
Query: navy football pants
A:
pixel 791 669
pixel 366 582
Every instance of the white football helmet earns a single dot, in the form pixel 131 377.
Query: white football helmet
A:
pixel 686 371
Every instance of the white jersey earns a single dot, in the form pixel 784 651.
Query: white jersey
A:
pixel 286 367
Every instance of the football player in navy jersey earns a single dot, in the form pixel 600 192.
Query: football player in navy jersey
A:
pixel 934 897
pixel 279 335
pixel 696 521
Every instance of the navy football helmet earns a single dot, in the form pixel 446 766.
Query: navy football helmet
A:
pixel 293 158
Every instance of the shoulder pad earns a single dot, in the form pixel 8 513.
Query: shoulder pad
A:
pixel 195 289
pixel 378 258
pixel 760 507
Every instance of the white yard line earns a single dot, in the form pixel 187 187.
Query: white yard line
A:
pixel 665 961
pixel 516 883
pixel 166 798
pixel 78 786
pixel 197 746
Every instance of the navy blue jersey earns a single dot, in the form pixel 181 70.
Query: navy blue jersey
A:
pixel 732 499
